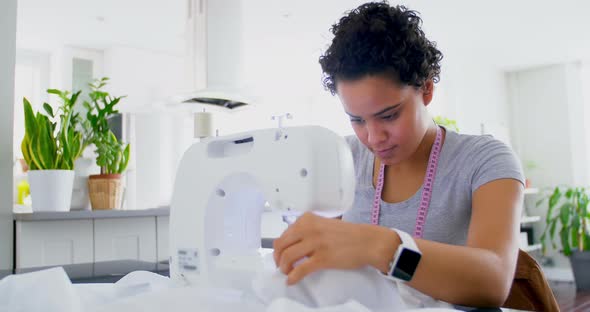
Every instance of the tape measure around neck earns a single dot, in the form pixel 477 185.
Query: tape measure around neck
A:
pixel 426 187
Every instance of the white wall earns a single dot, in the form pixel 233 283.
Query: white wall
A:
pixel 585 82
pixel 31 79
pixel 7 61
pixel 274 56
pixel 548 123
pixel 276 49
pixel 145 76
pixel 148 79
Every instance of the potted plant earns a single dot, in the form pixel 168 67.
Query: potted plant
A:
pixel 530 166
pixel 447 123
pixel 50 146
pixel 112 156
pixel 568 207
pixel 83 167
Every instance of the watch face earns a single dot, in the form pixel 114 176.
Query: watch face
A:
pixel 406 264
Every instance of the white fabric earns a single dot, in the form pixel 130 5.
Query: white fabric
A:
pixel 415 299
pixel 47 290
pixel 285 304
pixel 327 291
pixel 328 288
pixel 185 299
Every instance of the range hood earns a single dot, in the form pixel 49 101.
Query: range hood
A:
pixel 213 56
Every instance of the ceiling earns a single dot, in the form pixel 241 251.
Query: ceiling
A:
pixel 507 34
pixel 151 24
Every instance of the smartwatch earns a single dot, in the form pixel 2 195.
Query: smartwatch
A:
pixel 406 258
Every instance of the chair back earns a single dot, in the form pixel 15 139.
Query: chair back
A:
pixel 530 290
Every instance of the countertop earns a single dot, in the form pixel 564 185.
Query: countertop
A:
pixel 89 214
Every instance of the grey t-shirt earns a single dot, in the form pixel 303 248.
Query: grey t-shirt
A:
pixel 466 162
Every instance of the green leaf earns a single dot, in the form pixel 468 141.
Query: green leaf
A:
pixel 74 98
pixel 565 244
pixel 36 152
pixel 586 242
pixel 24 147
pixel 583 204
pixel 45 144
pixel 48 109
pixel 66 153
pixel 552 228
pixel 116 161
pixel 564 213
pixel 553 200
pixel 125 159
pixel 30 120
pixel 87 106
pixel 575 231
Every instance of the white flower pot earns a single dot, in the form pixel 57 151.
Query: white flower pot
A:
pixel 51 190
pixel 83 167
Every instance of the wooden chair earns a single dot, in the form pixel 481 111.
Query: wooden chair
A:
pixel 530 290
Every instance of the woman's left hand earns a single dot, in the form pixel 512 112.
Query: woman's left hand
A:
pixel 330 244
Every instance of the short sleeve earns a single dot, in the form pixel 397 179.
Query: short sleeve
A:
pixel 494 160
pixel 359 158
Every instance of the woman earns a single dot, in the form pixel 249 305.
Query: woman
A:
pixel 459 196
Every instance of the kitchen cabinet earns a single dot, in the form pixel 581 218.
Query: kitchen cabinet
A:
pixel 74 237
pixel 54 242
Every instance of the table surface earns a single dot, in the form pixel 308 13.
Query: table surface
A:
pixel 101 272
pixel 570 299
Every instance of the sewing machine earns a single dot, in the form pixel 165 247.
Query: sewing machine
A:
pixel 224 184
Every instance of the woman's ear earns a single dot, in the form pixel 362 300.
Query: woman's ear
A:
pixel 427 91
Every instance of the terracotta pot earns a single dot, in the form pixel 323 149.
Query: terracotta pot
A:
pixel 105 191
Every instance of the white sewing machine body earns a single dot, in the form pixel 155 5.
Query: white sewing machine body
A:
pixel 223 184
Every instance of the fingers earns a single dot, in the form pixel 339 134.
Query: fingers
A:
pixel 293 234
pixel 293 254
pixel 288 238
pixel 307 267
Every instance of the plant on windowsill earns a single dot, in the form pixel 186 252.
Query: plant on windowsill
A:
pixel 529 167
pixel 112 155
pixel 447 123
pixel 51 145
pixel 568 207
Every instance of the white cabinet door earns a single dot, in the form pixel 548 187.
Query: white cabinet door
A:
pixel 46 243
pixel 125 239
pixel 163 237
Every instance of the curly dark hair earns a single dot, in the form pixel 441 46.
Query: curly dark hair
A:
pixel 379 39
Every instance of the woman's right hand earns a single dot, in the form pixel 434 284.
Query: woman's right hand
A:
pixel 331 244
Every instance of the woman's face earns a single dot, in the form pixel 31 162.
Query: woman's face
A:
pixel 389 118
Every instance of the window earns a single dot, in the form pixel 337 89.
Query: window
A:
pixel 31 79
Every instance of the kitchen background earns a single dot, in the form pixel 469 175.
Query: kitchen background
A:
pixel 519 70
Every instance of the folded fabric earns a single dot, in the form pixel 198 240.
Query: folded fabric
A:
pixel 185 299
pixel 288 305
pixel 42 291
pixel 415 299
pixel 133 284
pixel 328 288
pixel 360 290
